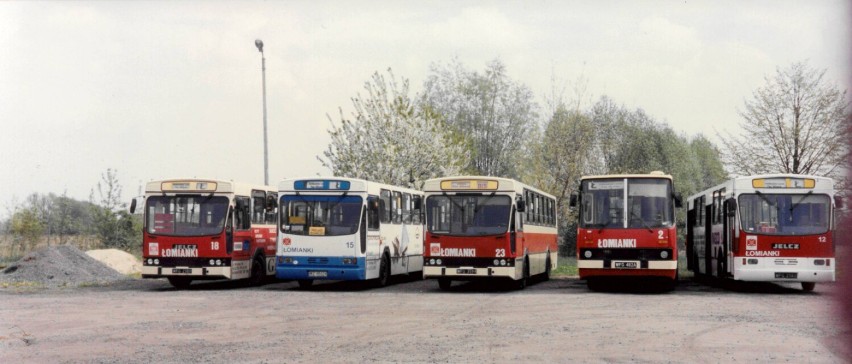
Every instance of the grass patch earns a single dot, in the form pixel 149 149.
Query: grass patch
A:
pixel 19 285
pixel 567 267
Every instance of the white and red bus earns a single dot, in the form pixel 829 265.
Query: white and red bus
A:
pixel 773 228
pixel 348 229
pixel 488 227
pixel 204 229
pixel 626 227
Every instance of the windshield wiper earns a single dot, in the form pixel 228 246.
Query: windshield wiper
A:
pixel 633 214
pixel 793 206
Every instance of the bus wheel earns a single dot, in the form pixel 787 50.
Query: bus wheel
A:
pixel 306 283
pixel 180 282
pixel 444 284
pixel 384 272
pixel 808 286
pixel 257 273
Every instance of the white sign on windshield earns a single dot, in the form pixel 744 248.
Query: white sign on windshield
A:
pixel 606 185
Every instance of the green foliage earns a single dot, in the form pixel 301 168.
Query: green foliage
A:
pixel 113 225
pixel 494 114
pixel 26 228
pixel 391 139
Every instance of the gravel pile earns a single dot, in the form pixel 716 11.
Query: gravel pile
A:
pixel 59 266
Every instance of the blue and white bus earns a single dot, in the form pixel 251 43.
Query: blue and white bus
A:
pixel 348 229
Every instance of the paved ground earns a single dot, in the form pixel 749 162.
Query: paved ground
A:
pixel 555 321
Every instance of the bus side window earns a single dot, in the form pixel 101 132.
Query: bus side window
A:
pixel 385 206
pixel 242 215
pixel 258 203
pixel 396 210
pixel 372 213
pixel 406 208
pixel 416 209
pixel 272 214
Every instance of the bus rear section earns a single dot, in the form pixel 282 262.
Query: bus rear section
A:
pixel 348 229
pixel 208 230
pixel 626 228
pixel 484 228
pixel 769 228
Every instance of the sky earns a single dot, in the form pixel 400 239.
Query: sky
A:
pixel 159 90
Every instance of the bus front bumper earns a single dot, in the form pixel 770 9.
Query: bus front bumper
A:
pixel 462 273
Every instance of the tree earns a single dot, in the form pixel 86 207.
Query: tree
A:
pixel 795 123
pixel 112 223
pixel 494 114
pixel 391 139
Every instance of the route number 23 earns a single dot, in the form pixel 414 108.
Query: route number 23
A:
pixel 499 253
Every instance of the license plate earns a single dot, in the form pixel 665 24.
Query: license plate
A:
pixel 625 265
pixel 181 270
pixel 786 275
pixel 465 271
pixel 317 273
pixel 184 246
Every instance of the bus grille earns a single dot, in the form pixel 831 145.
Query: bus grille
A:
pixel 317 260
pixel 786 262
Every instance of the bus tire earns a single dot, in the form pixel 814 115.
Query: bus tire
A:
pixel 180 282
pixel 444 283
pixel 808 286
pixel 306 283
pixel 384 272
pixel 258 272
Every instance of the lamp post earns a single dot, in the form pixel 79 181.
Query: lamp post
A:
pixel 259 44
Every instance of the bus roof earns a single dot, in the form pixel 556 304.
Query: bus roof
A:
pixel 775 182
pixel 202 185
pixel 654 174
pixel 316 184
pixel 483 183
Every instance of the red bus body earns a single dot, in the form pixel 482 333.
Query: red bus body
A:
pixel 487 227
pixel 626 226
pixel 208 230
pixel 771 228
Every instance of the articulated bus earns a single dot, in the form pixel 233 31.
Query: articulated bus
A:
pixel 487 227
pixel 626 227
pixel 204 229
pixel 774 228
pixel 348 229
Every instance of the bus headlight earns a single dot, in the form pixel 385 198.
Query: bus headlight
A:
pixel 496 262
pixel 438 261
pixel 156 261
pixel 587 254
pixel 432 261
pixel 664 254
pixel 503 262
pixel 212 262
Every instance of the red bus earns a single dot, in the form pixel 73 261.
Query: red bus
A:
pixel 626 227
pixel 486 228
pixel 772 228
pixel 202 229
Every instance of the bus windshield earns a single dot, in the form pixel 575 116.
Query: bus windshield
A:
pixel 194 215
pixel 468 215
pixel 785 214
pixel 320 215
pixel 649 203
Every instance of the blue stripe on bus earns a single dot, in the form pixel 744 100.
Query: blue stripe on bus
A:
pixel 333 266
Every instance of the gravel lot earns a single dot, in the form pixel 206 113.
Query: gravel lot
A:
pixel 413 321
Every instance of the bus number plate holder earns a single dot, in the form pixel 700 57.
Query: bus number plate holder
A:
pixel 465 271
pixel 317 273
pixel 785 275
pixel 181 270
pixel 625 265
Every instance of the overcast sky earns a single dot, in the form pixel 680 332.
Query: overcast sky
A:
pixel 159 90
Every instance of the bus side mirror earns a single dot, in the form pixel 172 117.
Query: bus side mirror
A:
pixel 838 202
pixel 573 201
pixel 678 200
pixel 133 206
pixel 521 205
pixel 732 205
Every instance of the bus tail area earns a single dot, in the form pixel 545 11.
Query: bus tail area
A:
pixel 208 230
pixel 348 229
pixel 626 228
pixel 766 228
pixel 483 228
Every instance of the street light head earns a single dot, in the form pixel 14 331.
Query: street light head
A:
pixel 259 44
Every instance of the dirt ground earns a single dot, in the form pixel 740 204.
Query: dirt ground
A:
pixel 413 321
